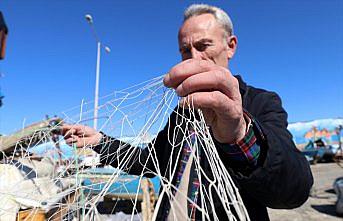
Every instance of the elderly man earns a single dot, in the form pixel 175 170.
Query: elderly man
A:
pixel 249 126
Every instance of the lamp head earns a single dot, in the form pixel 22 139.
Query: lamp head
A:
pixel 107 49
pixel 89 18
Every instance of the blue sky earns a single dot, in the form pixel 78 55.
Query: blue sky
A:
pixel 292 47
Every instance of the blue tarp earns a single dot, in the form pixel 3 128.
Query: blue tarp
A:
pixel 125 184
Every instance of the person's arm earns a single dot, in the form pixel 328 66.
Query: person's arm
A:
pixel 131 159
pixel 282 177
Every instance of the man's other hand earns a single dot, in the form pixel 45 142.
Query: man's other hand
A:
pixel 80 135
pixel 215 91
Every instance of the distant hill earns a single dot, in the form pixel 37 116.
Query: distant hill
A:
pixel 326 129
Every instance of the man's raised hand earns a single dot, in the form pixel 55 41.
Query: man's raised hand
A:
pixel 215 91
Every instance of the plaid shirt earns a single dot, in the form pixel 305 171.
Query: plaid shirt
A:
pixel 246 150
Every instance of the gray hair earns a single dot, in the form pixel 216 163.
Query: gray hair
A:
pixel 222 17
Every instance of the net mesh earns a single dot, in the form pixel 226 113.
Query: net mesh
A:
pixel 42 176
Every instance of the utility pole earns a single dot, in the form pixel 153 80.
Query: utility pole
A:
pixel 89 19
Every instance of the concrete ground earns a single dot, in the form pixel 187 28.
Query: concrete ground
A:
pixel 321 205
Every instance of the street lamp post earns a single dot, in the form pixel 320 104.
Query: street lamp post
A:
pixel 96 94
pixel 97 72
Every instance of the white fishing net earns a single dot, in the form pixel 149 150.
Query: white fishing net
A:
pixel 41 176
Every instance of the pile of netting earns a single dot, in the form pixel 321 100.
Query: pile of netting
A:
pixel 43 178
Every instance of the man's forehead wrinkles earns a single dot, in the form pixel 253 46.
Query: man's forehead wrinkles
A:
pixel 197 23
pixel 207 25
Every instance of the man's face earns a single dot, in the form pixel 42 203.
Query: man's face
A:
pixel 201 37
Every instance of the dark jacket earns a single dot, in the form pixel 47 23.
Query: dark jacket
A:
pixel 282 179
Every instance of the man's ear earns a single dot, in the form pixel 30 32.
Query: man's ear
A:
pixel 231 46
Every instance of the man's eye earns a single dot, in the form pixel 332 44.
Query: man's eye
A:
pixel 201 47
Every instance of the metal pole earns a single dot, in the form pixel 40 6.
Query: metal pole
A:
pixel 96 97
pixel 340 127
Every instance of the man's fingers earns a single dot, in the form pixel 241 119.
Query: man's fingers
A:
pixel 66 127
pixel 71 140
pixel 186 69
pixel 69 133
pixel 68 130
pixel 208 81
pixel 214 100
pixel 77 141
